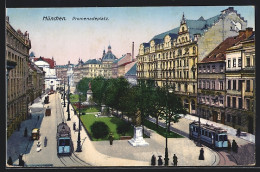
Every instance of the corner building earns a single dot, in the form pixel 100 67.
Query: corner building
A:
pixel 171 57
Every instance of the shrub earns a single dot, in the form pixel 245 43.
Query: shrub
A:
pixel 122 128
pixel 99 129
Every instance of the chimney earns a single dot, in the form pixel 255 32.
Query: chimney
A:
pixel 249 31
pixel 133 52
pixel 241 32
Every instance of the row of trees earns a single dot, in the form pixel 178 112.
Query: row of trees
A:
pixel 144 98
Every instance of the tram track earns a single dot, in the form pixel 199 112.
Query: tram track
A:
pixel 73 159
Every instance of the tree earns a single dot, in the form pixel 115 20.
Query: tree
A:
pixel 123 127
pixel 83 85
pixel 170 104
pixel 99 86
pixel 99 129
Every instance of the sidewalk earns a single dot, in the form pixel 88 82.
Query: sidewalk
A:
pixel 121 153
pixel 17 143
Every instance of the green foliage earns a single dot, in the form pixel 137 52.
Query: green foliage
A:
pixel 160 130
pixel 99 86
pixel 111 122
pixel 83 85
pixel 99 129
pixel 122 128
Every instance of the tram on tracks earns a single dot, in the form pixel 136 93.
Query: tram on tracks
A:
pixel 64 143
pixel 214 137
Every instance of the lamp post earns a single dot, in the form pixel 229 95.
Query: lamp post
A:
pixel 79 142
pixel 68 107
pixel 64 105
pixel 166 159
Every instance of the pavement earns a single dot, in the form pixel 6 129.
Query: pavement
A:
pixel 121 153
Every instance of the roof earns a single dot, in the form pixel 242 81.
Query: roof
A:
pixel 48 60
pixel 132 71
pixel 109 56
pixel 117 60
pixel 195 26
pixel 219 53
pixel 93 61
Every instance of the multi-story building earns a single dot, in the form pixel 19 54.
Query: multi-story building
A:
pixel 107 62
pixel 212 81
pixel 240 81
pixel 131 75
pixel 78 71
pixel 171 57
pixel 35 81
pixel 48 66
pixel 93 68
pixel 18 45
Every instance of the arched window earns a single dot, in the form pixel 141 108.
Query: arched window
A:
pixel 194 50
pixel 193 105
pixel 186 103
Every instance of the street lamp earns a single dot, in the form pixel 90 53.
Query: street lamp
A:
pixel 64 105
pixel 68 107
pixel 166 159
pixel 78 142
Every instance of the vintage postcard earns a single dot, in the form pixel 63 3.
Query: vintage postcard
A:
pixel 130 86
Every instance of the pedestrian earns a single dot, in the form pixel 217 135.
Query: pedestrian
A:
pixel 45 141
pixel 238 132
pixel 160 160
pixel 175 160
pixel 10 161
pixel 153 160
pixel 74 125
pixel 21 162
pixel 111 138
pixel 234 146
pixel 201 157
pixel 25 132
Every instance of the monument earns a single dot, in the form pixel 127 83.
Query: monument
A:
pixel 89 100
pixel 138 139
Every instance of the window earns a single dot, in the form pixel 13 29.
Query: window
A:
pixel 208 68
pixel 194 88
pixel 228 101
pixel 204 68
pixel 221 68
pixel 247 104
pixel 200 84
pixel 247 61
pixel 179 87
pixel 213 85
pixel 199 69
pixel 239 62
pixel 194 50
pixel 208 86
pixel 213 68
pixel 240 103
pixel 234 103
pixel 180 62
pixel 186 87
pixel 229 63
pixel 247 85
pixel 221 86
pixel 207 100
pixel 180 75
pixel 234 62
pixel 203 84
pixel 240 85
pixel 229 84
pixel 234 84
pixel 184 62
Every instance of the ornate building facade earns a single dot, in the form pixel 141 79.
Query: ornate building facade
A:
pixel 18 46
pixel 240 81
pixel 212 85
pixel 171 57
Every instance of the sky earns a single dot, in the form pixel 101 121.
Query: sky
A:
pixel 70 40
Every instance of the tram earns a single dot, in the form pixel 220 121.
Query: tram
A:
pixel 214 137
pixel 64 143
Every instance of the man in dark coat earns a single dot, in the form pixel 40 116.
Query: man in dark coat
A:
pixel 175 160
pixel 201 157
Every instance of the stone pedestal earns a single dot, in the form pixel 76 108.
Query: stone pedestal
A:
pixel 138 139
pixel 103 109
pixel 89 95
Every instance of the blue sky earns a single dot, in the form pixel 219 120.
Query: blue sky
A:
pixel 71 40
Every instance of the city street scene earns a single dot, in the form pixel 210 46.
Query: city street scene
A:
pixel 130 86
